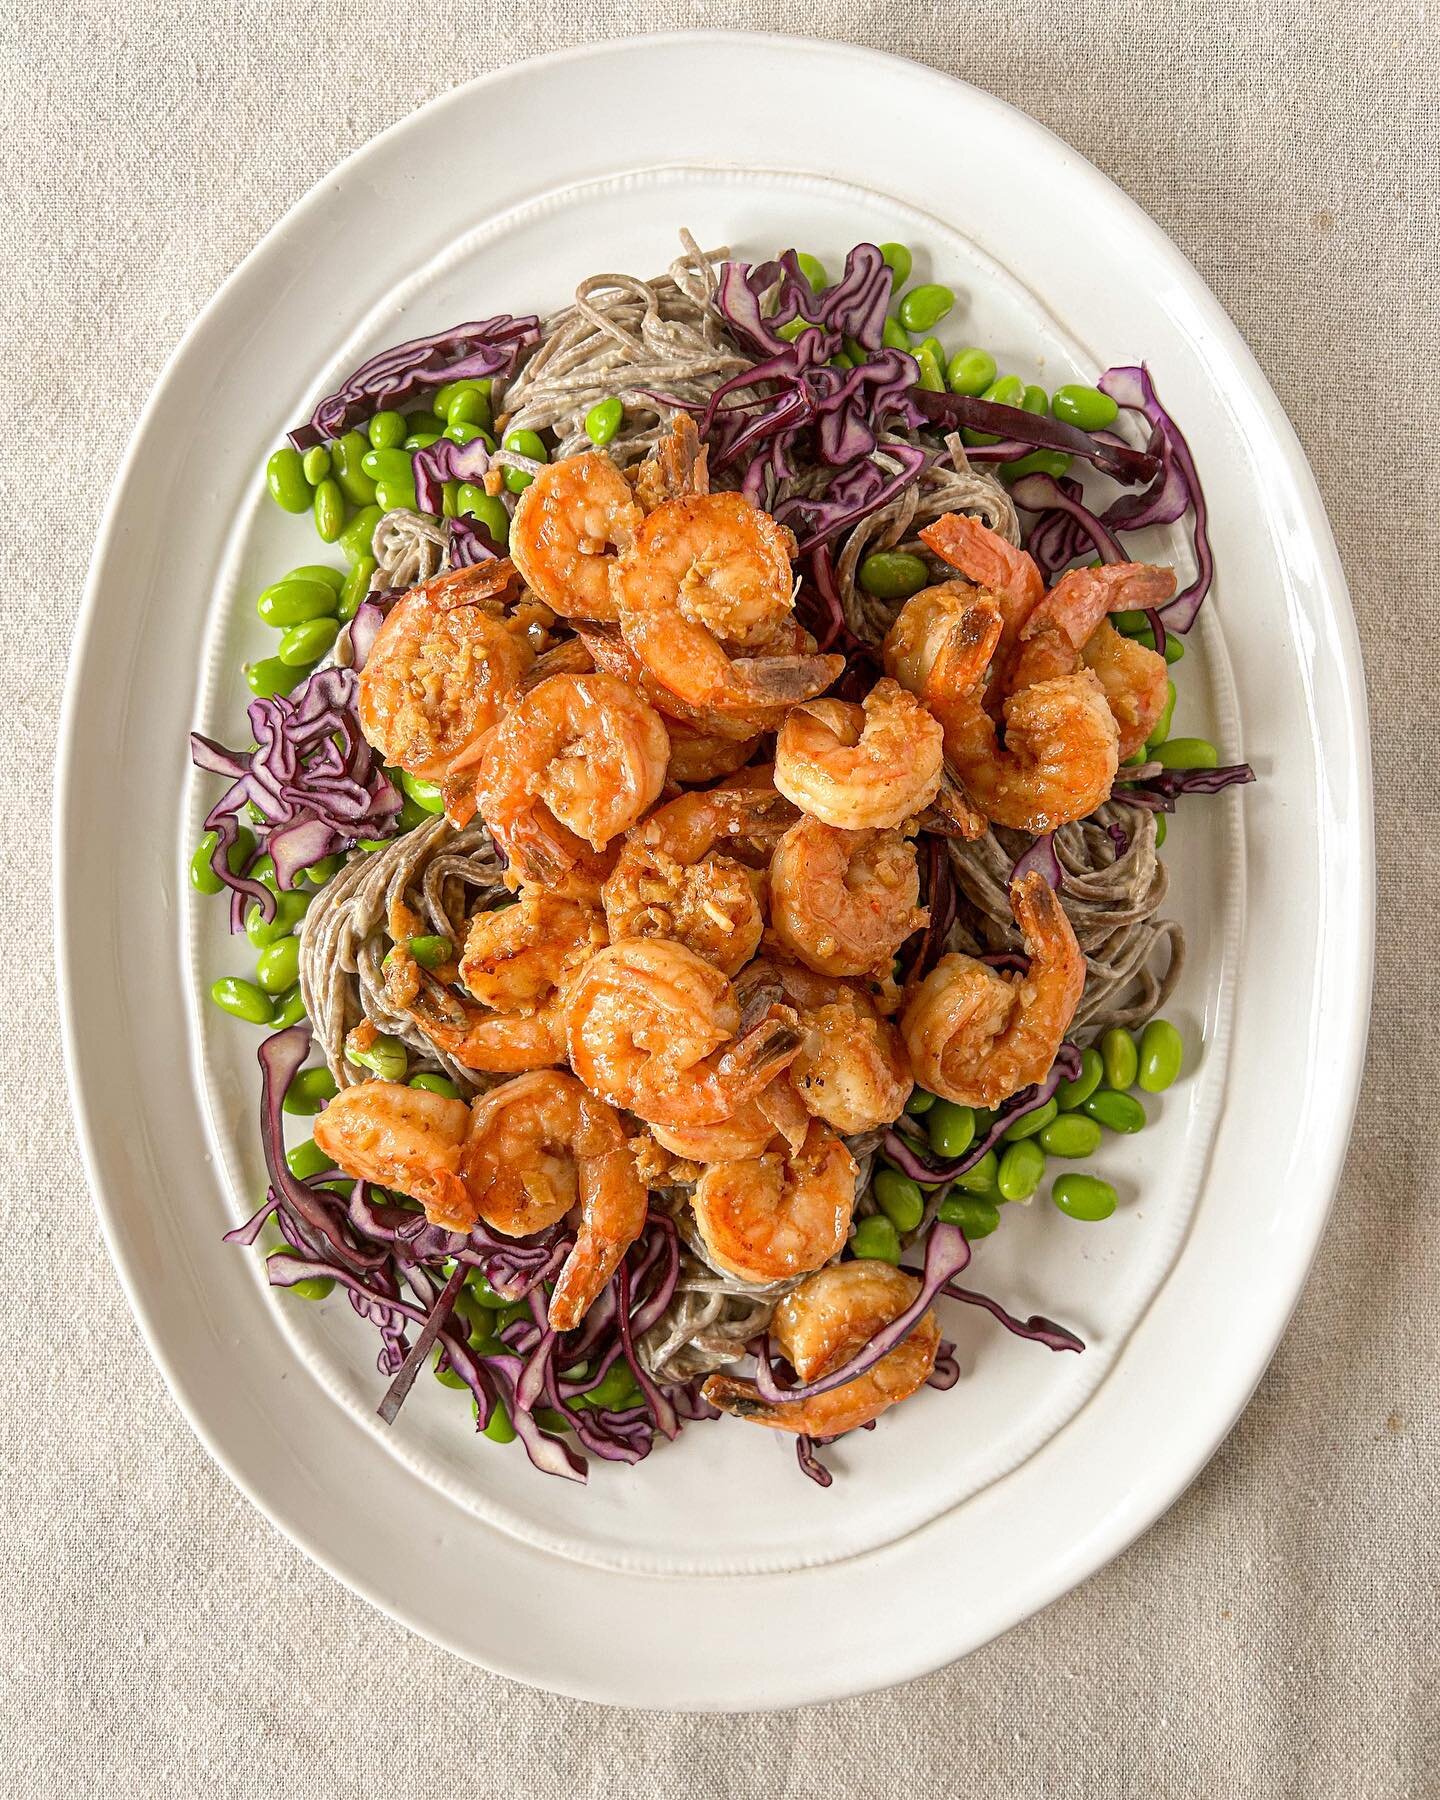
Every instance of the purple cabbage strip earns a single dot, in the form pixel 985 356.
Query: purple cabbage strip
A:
pixel 362 632
pixel 810 1464
pixel 1036 1329
pixel 1054 500
pixel 470 544
pixel 947 1368
pixel 1040 859
pixel 405 1376
pixel 1160 792
pixel 1027 431
pixel 915 1159
pixel 445 461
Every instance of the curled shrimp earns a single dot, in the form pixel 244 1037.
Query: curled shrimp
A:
pixel 843 902
pixel 475 1036
pixel 1059 757
pixel 654 1028
pixel 1008 574
pixel 678 465
pixel 442 669
pixel 569 524
pixel 708 576
pixel 861 767
pixel 669 881
pixel 780 1214
pixel 698 756
pixel 517 956
pixel 977 1036
pixel 574 762
pixel 609 651
pixel 403 1138
pixel 539 1147
pixel 745 1133
pixel 820 1326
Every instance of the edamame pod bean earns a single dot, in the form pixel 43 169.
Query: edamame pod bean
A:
pixel 812 269
pixel 1084 1197
pixel 900 1199
pixel 444 398
pixel 1028 1124
pixel 445 1375
pixel 295 602
pixel 463 432
pixel 923 308
pixel 980 1179
pixel 1116 1112
pixel 1071 1094
pixel 1070 1135
pixel 1161 827
pixel 1174 644
pixel 313 1287
pixel 1021 1169
pixel 876 1239
pixel 423 793
pixel 329 510
pixel 303 645
pixel 421 440
pixel 468 406
pixel 1162 724
pixel 1187 753
pixel 347 458
pixel 603 420
pixel 932 372
pixel 613 1389
pixel 391 496
pixel 308 1159
pixel 278 965
pixel 893 574
pixel 950 1128
pixel 1035 400
pixel 1009 390
pixel 1053 463
pixel 357 586
pixel 524 443
pixel 489 510
pixel 436 1084
pixel 319 873
pixel 470 497
pixel 386 430
pixel 1162 1050
pixel 396 465
pixel 308 1092
pixel 893 336
pixel 919 1102
pixel 289 1009
pixel 242 1000
pixel 1087 407
pixel 270 677
pixel 203 876
pixel 354 540
pixel 386 1056
pixel 432 952
pixel 316 464
pixel 899 261
pixel 976 1216
pixel 499 1430
pixel 1120 1058
pixel 285 478
pixel 290 909
pixel 326 572
pixel 971 371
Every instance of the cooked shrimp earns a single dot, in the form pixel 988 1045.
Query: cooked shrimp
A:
pixel 537 1147
pixel 976 1036
pixel 699 756
pixel 861 767
pixel 669 882
pixel 609 651
pixel 516 956
pixel 653 1027
pixel 1136 682
pixel 843 902
pixel 442 669
pixel 403 1138
pixel 1009 575
pixel 707 576
pixel 573 763
pixel 820 1326
pixel 678 465
pixel 569 525
pixel 471 1034
pixel 780 1214
pixel 745 1133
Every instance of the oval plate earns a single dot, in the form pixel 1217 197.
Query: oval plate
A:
pixel 648 1587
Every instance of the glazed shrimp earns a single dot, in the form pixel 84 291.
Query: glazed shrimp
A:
pixel 678 465
pixel 569 524
pixel 698 756
pixel 744 1134
pixel 1009 575
pixel 1136 682
pixel 471 1034
pixel 861 767
pixel 843 902
pixel 537 1148
pixel 573 763
pixel 442 669
pixel 669 882
pixel 609 651
pixel 403 1138
pixel 780 1214
pixel 707 576
pixel 654 1028
pixel 820 1326
pixel 516 956
pixel 976 1036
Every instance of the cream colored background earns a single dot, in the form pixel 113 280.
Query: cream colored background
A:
pixel 1276 1634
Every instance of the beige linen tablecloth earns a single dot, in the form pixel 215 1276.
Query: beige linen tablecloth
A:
pixel 1276 1633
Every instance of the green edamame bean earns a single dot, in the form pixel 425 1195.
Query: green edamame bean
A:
pixel 449 499
pixel 924 307
pixel 1084 1197
pixel 263 871
pixel 1162 1050
pixel 444 398
pixel 470 498
pixel 614 1388
pixel 468 406
pixel 985 1117
pixel 1071 1094
pixel 412 814
pixel 387 1056
pixel 1120 1058
pixel 489 510
pixel 893 336
pixel 290 909
pixel 295 602
pixel 1130 621
pixel 313 1287
pixel 203 876
pixel 1028 1124
pixel 950 1128
pixel 1035 400
pixel 1021 1169
pixel 1087 407
pixel 976 1216
pixel 421 440
pixel 1161 827
pixel 1187 753
pixel 393 495
pixel 794 328
pixel 308 1159
pixel 436 1084
pixel 391 464
pixel 357 586
pixel 316 464
pixel 386 430
pixel 1174 644
pixel 354 540
pixel 1070 1135
pixel 919 1103
pixel 425 423
pixel 900 1199
pixel 1162 724
pixel 445 1375
pixel 510 1312
pixel 524 443
pixel 326 572
pixel 1053 463
pixel 1116 1112
pixel 270 677
pixel 432 952
pixel 603 420
pixel 499 1430
pixel 289 1009
pixel 303 645
pixel 980 1179
pixel 242 1000
pixel 856 351
pixel 308 1092
pixel 1009 390
pixel 329 510
pixel 971 371
pixel 319 873
pixel 899 261
pixel 347 456
pixel 876 1240
pixel 893 574
pixel 464 432
pixel 841 361
pixel 424 793
pixel 932 372
pixel 812 269
pixel 278 965
pixel 285 477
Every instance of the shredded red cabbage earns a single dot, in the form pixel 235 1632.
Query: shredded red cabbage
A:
pixel 1160 792
pixel 1023 431
pixel 445 461
pixel 913 1155
pixel 1042 859
pixel 1064 525
pixel 470 544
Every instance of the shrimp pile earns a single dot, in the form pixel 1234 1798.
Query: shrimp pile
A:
pixel 714 869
